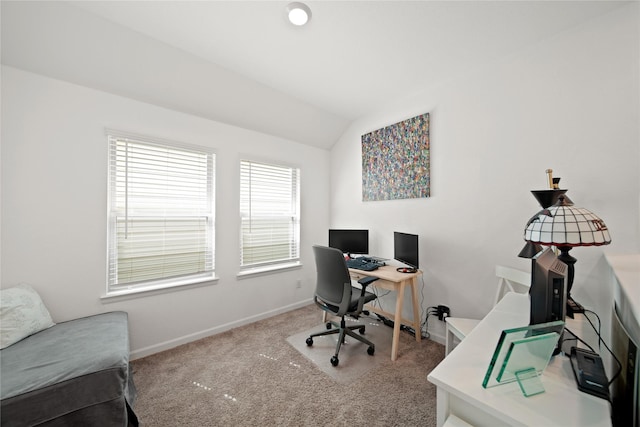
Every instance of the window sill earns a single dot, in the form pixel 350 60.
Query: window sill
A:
pixel 258 271
pixel 156 289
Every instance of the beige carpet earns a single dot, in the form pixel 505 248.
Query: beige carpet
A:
pixel 251 376
pixel 354 360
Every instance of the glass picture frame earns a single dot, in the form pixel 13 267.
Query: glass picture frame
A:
pixel 504 352
pixel 525 361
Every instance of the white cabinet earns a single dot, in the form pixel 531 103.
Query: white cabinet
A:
pixel 459 382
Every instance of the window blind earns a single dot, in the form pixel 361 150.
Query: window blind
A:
pixel 161 225
pixel 270 217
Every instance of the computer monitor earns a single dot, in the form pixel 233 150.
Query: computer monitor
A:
pixel 548 290
pixel 405 249
pixel 349 241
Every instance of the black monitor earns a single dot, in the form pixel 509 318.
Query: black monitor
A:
pixel 350 241
pixel 548 290
pixel 405 249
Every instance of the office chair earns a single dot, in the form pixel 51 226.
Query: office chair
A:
pixel 509 280
pixel 335 295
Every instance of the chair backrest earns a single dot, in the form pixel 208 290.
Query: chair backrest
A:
pixel 333 283
pixel 511 280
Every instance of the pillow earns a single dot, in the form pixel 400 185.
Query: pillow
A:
pixel 22 313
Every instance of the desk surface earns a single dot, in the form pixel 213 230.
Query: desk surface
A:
pixel 461 373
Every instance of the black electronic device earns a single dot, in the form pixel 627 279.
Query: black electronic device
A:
pixel 405 250
pixel 362 264
pixel 548 290
pixel 349 241
pixel 589 372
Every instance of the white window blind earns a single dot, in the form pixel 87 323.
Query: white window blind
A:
pixel 161 207
pixel 270 214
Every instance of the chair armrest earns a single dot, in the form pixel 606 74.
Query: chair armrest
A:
pixel 365 281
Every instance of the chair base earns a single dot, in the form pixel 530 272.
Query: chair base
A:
pixel 342 330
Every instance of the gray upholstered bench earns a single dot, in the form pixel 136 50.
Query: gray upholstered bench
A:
pixel 73 373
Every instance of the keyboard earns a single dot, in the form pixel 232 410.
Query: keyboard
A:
pixel 379 260
pixel 362 263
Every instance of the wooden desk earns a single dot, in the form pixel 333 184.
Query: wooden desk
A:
pixel 459 381
pixel 390 279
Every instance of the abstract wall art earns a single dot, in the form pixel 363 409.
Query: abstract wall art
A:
pixel 395 161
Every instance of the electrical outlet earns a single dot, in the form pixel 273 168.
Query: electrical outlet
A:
pixel 443 311
pixel 299 283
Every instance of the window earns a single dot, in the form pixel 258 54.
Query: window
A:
pixel 161 207
pixel 270 215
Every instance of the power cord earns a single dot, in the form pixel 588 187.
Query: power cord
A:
pixel 430 311
pixel 592 326
pixel 575 338
pixel 600 340
pixel 376 302
pixel 424 326
pixel 424 333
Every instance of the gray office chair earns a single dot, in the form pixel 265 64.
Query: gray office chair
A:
pixel 335 295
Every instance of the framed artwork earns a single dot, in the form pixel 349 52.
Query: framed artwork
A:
pixel 395 161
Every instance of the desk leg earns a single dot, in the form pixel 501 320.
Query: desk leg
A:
pixel 397 321
pixel 442 406
pixel 416 309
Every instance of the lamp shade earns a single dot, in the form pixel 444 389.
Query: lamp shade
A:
pixel 566 225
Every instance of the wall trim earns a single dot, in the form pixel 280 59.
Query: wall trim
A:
pixel 166 345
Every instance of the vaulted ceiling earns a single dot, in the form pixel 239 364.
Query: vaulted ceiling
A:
pixel 242 63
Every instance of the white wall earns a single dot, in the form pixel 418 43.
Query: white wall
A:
pixel 571 104
pixel 54 205
pixel 61 40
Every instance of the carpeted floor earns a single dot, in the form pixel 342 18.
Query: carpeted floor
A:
pixel 354 361
pixel 252 376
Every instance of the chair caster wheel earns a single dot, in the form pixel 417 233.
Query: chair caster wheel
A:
pixel 365 312
pixel 334 361
pixel 328 325
pixel 309 341
pixel 371 350
pixel 361 330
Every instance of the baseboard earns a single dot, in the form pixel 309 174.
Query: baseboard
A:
pixel 166 345
pixel 440 339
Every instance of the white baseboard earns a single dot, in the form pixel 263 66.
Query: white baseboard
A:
pixel 166 345
pixel 437 338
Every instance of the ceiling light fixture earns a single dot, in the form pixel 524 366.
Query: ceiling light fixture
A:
pixel 298 13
